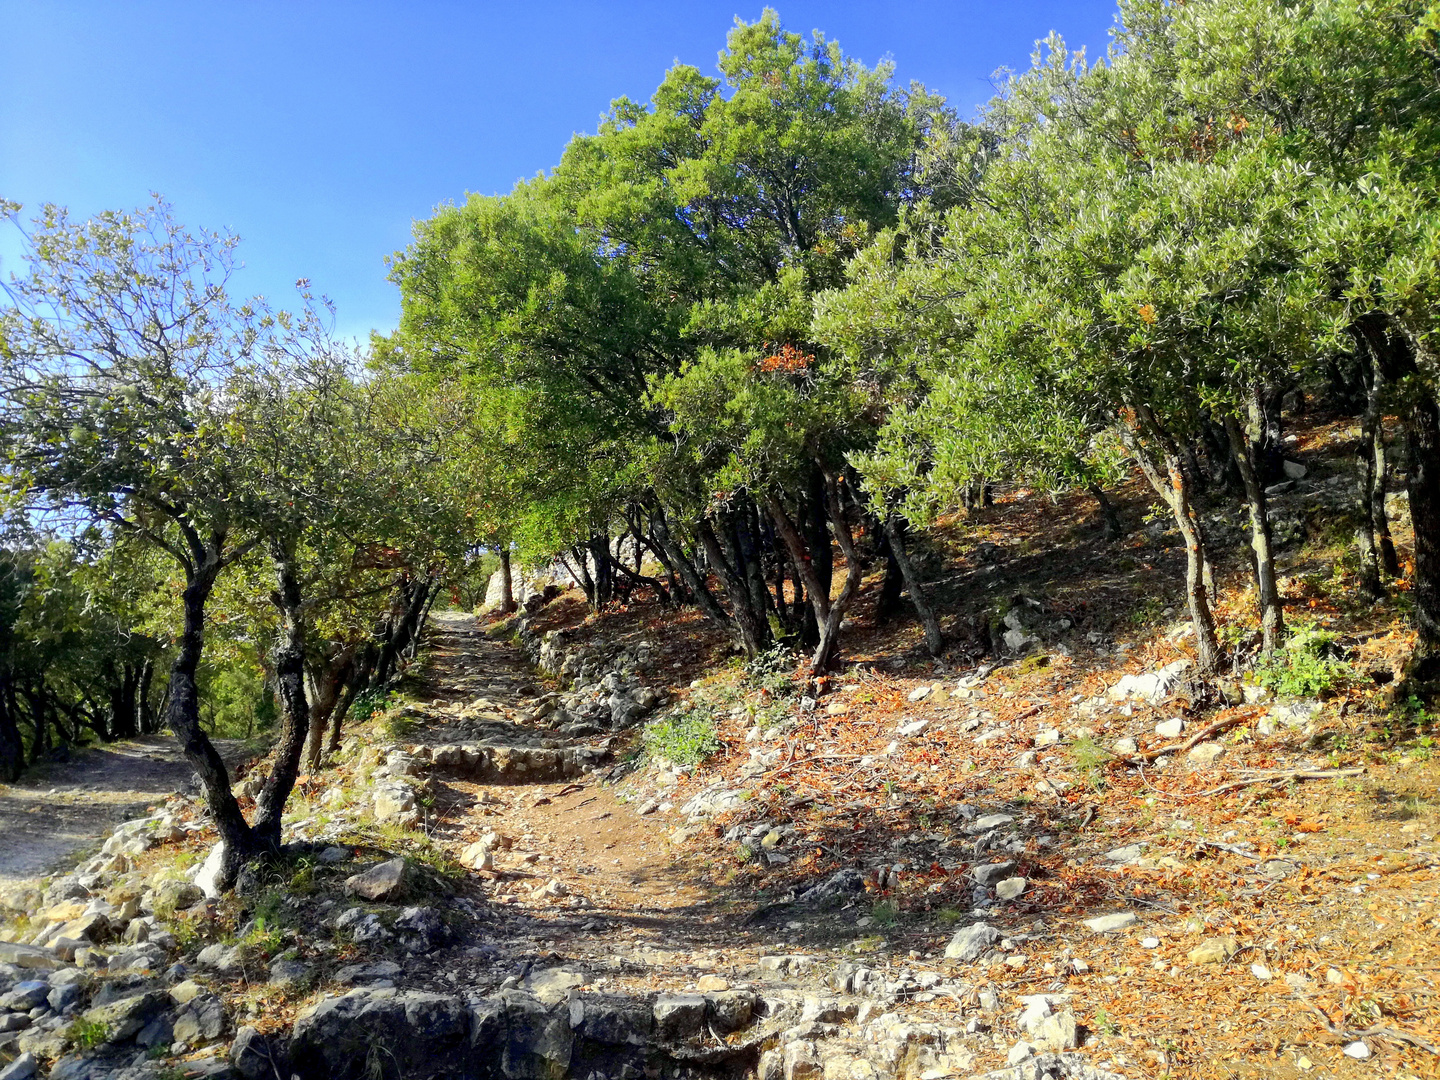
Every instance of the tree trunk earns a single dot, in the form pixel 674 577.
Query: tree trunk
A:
pixel 12 745
pixel 753 627
pixel 507 585
pixel 1422 673
pixel 1244 445
pixel 1372 452
pixel 892 586
pixel 680 563
pixel 828 613
pixel 1175 489
pixel 289 660
pixel 1114 527
pixel 329 685
pixel 148 726
pixel 183 718
pixel 895 533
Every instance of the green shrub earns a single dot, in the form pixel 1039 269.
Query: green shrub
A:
pixel 1308 665
pixel 686 738
pixel 88 1034
pixel 1090 759
pixel 772 671
pixel 368 704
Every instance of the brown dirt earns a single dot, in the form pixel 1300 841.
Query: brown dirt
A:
pixel 62 809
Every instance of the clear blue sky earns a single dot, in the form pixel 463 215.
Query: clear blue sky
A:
pixel 318 131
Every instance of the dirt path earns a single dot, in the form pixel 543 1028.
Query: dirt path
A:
pixel 58 810
pixel 624 888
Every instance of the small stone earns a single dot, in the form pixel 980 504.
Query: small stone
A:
pixel 1357 1050
pixel 712 984
pixel 914 727
pixel 971 942
pixel 333 855
pixel 920 693
pixel 1126 747
pixel 1106 924
pixel 1056 1032
pixel 1017 961
pixel 183 993
pixel 1048 737
pixel 287 972
pixel 1294 470
pixel 989 873
pixel 1214 950
pixel 1010 888
pixel 25 1066
pixel 1333 976
pixel 379 882
pixel 1021 1051
pixel 1150 943
pixel 1207 753
pixel 1261 972
pixel 1126 855
pixel 1170 729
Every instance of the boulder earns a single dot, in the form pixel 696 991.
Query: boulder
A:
pixel 257 1057
pixel 971 942
pixel 383 882
pixel 416 1034
pixel 201 1019
pixel 123 1019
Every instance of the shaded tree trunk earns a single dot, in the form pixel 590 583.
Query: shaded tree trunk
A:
pixel 289 661
pixel 1422 481
pixel 507 585
pixel 149 722
pixel 183 718
pixel 895 533
pixel 1244 445
pixel 1174 487
pixel 828 613
pixel 328 685
pixel 1114 527
pixel 753 627
pixel 12 744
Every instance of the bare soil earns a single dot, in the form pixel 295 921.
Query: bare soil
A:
pixel 60 810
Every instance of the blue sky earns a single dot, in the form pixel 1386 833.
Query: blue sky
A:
pixel 319 131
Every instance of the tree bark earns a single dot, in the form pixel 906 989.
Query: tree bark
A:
pixel 1422 673
pixel 1114 527
pixel 1174 488
pixel 895 533
pixel 12 744
pixel 507 590
pixel 680 563
pixel 892 585
pixel 289 661
pixel 1244 445
pixel 1366 541
pixel 754 628
pixel 329 684
pixel 183 718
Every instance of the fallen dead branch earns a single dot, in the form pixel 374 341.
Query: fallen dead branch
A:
pixel 1351 1034
pixel 1282 776
pixel 1146 756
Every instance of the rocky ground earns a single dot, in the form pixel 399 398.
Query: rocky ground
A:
pixel 1058 857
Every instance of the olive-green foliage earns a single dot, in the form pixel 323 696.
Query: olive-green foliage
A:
pixel 1308 665
pixel 772 671
pixel 686 737
pixel 237 700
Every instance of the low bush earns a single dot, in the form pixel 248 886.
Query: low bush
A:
pixel 1308 665
pixel 686 738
